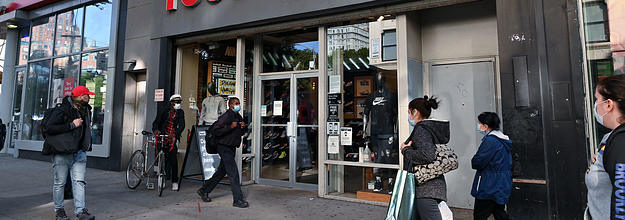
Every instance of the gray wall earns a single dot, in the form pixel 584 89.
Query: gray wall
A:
pixel 139 19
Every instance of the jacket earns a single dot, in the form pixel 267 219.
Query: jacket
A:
pixel 493 162
pixel 61 121
pixel 162 119
pixel 212 108
pixel 224 133
pixel 614 164
pixel 423 151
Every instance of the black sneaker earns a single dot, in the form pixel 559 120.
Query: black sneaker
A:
pixel 84 215
pixel 203 195
pixel 240 204
pixel 378 186
pixel 391 185
pixel 60 215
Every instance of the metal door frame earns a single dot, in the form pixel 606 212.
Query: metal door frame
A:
pixel 291 183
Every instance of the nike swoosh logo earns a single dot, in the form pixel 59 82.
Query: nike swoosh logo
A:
pixel 376 102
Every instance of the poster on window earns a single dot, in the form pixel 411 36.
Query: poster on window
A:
pixel 227 86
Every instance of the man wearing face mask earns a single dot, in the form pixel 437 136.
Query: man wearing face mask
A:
pixel 228 130
pixel 170 121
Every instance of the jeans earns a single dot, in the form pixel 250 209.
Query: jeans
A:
pixel 483 209
pixel 427 209
pixel 76 165
pixel 227 166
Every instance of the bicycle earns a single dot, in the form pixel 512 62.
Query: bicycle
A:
pixel 137 171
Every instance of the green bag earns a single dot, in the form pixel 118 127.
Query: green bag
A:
pixel 401 206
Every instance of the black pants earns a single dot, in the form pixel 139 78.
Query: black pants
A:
pixel 483 209
pixel 385 153
pixel 171 164
pixel 227 166
pixel 427 209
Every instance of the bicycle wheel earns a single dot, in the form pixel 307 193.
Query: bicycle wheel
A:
pixel 134 172
pixel 161 175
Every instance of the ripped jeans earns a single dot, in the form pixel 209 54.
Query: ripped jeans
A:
pixel 76 164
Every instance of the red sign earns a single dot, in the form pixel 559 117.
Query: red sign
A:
pixel 172 5
pixel 159 95
pixel 68 85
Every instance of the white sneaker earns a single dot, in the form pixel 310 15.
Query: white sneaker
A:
pixel 174 187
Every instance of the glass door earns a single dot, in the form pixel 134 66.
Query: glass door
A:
pixel 289 130
pixel 13 130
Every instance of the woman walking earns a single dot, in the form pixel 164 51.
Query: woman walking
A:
pixel 493 162
pixel 420 149
pixel 605 176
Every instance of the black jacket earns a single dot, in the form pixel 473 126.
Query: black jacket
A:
pixel 224 133
pixel 614 164
pixel 162 119
pixel 423 151
pixel 61 121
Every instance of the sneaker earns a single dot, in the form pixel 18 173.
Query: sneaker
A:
pixel 84 215
pixel 203 195
pixel 378 185
pixel 391 185
pixel 240 204
pixel 174 187
pixel 60 215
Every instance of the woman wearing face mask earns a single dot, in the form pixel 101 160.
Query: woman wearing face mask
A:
pixel 605 178
pixel 493 161
pixel 420 149
pixel 170 121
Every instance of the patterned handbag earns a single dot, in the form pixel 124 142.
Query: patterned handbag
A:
pixel 446 160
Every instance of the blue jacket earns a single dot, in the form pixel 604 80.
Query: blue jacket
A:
pixel 493 162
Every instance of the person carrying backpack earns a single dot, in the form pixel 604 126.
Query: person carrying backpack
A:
pixel 67 133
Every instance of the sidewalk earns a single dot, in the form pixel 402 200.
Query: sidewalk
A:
pixel 26 193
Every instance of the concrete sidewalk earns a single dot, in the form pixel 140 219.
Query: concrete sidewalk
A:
pixel 26 193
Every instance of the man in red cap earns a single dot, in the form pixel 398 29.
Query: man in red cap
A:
pixel 68 137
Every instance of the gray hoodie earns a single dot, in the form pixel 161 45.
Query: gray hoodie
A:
pixel 423 151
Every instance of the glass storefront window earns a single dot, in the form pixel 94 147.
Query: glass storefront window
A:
pixel 369 93
pixel 68 32
pixel 605 47
pixel 64 78
pixel 22 53
pixel 294 51
pixel 93 75
pixel 357 182
pixel 97 25
pixel 35 99
pixel 42 38
pixel 17 95
pixel 389 45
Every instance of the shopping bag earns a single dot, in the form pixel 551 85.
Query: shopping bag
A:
pixel 401 206
pixel 446 213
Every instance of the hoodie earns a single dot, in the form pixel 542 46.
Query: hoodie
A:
pixel 424 137
pixel 493 162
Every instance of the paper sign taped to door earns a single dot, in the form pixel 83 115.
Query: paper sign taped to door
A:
pixel 277 108
pixel 263 111
pixel 333 144
pixel 346 136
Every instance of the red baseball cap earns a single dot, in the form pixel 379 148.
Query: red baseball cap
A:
pixel 81 90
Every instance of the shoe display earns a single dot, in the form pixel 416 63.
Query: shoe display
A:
pixel 60 215
pixel 84 215
pixel 174 187
pixel 282 155
pixel 391 184
pixel 275 155
pixel 378 185
pixel 267 146
pixel 266 156
pixel 203 195
pixel 240 204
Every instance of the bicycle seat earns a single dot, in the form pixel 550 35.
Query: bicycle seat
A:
pixel 146 133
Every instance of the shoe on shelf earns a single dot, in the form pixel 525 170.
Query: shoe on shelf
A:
pixel 391 184
pixel 174 187
pixel 84 215
pixel 60 215
pixel 378 185
pixel 203 195
pixel 240 204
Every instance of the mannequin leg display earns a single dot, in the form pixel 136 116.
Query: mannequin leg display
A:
pixel 385 153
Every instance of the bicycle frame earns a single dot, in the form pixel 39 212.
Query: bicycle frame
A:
pixel 160 154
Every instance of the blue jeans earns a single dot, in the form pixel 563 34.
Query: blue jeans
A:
pixel 76 164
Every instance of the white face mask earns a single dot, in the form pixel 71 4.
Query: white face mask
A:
pixel 598 117
pixel 177 106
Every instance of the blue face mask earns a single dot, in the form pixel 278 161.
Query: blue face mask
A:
pixel 480 129
pixel 411 122
pixel 236 108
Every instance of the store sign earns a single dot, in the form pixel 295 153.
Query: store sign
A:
pixel 172 5
pixel 159 95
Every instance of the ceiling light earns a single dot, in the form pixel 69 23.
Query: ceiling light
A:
pixel 12 26
pixel 380 18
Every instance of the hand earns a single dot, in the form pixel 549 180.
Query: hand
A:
pixel 242 124
pixel 157 132
pixel 234 124
pixel 77 122
pixel 404 145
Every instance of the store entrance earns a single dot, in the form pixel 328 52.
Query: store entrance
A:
pixel 289 130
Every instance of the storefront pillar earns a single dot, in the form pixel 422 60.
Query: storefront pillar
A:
pixel 158 77
pixel 323 109
pixel 8 79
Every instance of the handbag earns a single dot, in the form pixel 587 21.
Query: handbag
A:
pixel 446 160
pixel 402 200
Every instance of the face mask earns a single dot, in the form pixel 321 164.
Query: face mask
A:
pixel 598 117
pixel 236 108
pixel 177 106
pixel 479 128
pixel 412 122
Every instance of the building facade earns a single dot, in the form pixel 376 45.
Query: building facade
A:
pixel 307 76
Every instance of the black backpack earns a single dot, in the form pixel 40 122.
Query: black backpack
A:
pixel 46 118
pixel 211 142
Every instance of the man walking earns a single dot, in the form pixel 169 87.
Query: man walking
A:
pixel 68 136
pixel 170 121
pixel 228 131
